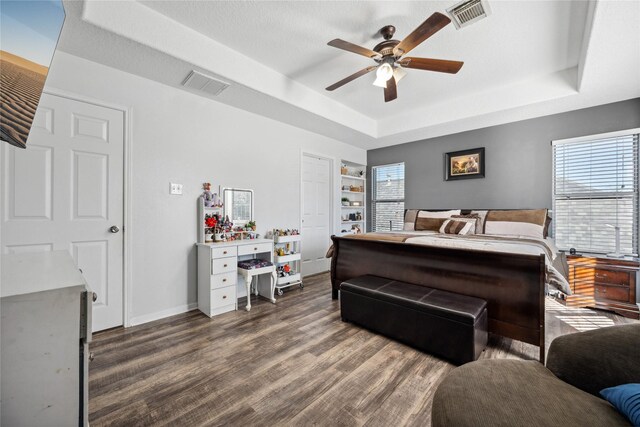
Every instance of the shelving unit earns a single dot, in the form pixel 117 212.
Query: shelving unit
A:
pixel 202 211
pixel 352 177
pixel 292 259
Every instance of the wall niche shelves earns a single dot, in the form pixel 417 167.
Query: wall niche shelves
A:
pixel 353 190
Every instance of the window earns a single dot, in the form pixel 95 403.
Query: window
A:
pixel 388 197
pixel 595 189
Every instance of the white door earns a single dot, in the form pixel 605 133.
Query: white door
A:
pixel 316 214
pixel 65 192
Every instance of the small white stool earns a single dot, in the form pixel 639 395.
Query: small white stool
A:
pixel 249 274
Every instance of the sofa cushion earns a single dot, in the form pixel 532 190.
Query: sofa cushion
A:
pixel 597 359
pixel 516 393
pixel 626 399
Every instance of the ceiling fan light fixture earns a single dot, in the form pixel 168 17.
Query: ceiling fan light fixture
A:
pixel 384 71
pixel 399 73
pixel 383 74
pixel 380 82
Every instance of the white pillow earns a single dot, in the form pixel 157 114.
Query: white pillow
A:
pixel 438 214
pixel 452 226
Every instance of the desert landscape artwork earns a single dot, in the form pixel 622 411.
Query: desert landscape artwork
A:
pixel 29 33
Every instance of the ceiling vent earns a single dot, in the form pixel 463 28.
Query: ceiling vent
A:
pixel 468 12
pixel 198 81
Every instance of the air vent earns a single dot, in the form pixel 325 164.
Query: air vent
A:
pixel 198 81
pixel 468 12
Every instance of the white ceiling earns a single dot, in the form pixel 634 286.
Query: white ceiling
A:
pixel 528 58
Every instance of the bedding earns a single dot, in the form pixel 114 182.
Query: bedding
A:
pixel 478 224
pixel 410 217
pixel 433 220
pixel 482 216
pixel 529 222
pixel 461 226
pixel 555 265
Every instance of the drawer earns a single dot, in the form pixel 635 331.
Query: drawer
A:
pixel 223 296
pixel 224 252
pixel 224 265
pixel 616 293
pixel 254 249
pixel 611 277
pixel 224 279
pixel 601 276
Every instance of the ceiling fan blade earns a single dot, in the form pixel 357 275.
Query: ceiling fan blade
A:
pixel 390 92
pixel 440 65
pixel 432 25
pixel 350 47
pixel 351 77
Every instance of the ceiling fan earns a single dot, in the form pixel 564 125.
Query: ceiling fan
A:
pixel 389 56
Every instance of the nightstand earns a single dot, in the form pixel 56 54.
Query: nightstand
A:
pixel 604 283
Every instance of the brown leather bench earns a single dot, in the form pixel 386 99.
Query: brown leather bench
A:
pixel 445 324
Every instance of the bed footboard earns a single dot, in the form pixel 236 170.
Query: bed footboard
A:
pixel 512 284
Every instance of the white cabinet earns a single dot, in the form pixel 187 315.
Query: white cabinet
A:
pixel 291 247
pixel 217 278
pixel 218 272
pixel 45 331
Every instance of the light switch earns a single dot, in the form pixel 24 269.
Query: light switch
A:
pixel 175 188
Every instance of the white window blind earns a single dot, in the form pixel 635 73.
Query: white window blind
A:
pixel 388 197
pixel 595 188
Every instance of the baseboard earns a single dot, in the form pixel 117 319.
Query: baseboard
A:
pixel 139 320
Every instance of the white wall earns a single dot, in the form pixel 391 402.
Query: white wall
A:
pixel 180 137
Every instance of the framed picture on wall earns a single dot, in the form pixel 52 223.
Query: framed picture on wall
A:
pixel 464 164
pixel 29 33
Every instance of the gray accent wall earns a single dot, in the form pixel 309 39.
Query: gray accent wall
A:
pixel 518 157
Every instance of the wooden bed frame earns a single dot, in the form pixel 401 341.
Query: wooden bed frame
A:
pixel 513 285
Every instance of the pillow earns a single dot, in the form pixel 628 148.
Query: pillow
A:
pixel 527 223
pixel 483 217
pixel 410 216
pixel 626 399
pixel 460 226
pixel 478 225
pixel 432 221
pixel 547 223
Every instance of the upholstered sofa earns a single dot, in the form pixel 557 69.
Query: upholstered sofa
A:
pixel 507 392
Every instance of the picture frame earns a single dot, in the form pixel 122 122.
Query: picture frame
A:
pixel 464 164
pixel 29 34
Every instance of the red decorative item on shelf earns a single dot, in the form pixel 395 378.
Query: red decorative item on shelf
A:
pixel 210 222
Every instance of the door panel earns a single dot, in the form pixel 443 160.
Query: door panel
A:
pixel 64 192
pixel 316 214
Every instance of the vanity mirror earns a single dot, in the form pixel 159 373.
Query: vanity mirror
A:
pixel 238 205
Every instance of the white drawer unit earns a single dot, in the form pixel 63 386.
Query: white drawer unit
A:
pixel 223 265
pixel 224 252
pixel 256 248
pixel 218 272
pixel 224 279
pixel 223 297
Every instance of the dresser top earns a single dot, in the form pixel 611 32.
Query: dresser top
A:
pixel 235 243
pixel 38 271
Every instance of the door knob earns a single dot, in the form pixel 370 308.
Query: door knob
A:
pixel 114 229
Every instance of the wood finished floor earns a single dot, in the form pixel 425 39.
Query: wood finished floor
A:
pixel 293 363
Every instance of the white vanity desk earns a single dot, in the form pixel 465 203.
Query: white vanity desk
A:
pixel 218 273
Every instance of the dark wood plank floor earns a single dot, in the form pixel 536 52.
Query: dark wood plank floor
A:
pixel 293 363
